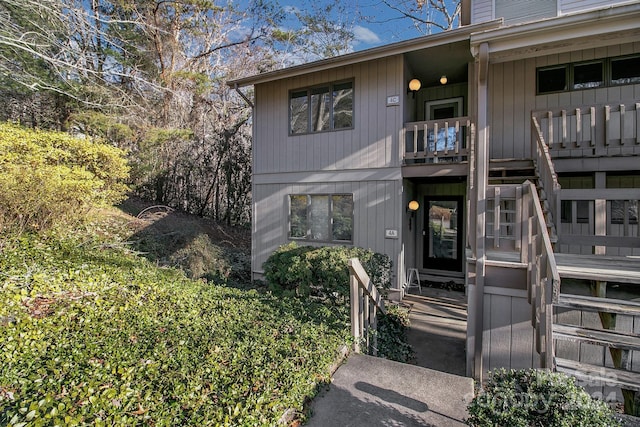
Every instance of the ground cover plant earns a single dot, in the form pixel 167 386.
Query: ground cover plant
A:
pixel 91 333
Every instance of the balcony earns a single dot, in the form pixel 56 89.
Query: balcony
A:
pixel 432 142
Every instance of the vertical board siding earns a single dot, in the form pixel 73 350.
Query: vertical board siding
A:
pixel 512 87
pixel 369 144
pixel 376 207
pixel 514 11
pixel 508 338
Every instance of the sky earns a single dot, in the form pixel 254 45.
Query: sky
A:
pixel 373 22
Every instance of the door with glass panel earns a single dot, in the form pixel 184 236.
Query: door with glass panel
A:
pixel 443 233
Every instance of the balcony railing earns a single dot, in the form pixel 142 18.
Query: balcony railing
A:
pixel 437 141
pixel 587 131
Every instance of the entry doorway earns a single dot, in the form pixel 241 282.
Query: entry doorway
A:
pixel 443 233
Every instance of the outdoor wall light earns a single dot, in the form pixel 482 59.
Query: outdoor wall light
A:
pixel 412 207
pixel 443 80
pixel 414 86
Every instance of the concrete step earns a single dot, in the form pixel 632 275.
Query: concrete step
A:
pixel 370 391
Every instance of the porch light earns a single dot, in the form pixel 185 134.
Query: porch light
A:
pixel 443 80
pixel 412 207
pixel 414 86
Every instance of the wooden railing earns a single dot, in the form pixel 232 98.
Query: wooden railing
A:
pixel 504 210
pixel 543 282
pixel 435 141
pixel 607 218
pixel 544 168
pixel 598 130
pixel 365 304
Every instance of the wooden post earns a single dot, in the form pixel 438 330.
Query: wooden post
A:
pixel 482 174
pixel 355 315
pixel 578 127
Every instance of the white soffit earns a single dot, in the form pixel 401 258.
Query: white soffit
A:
pixel 596 28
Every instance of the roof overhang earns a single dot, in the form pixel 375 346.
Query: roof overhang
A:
pixel 582 30
pixel 425 42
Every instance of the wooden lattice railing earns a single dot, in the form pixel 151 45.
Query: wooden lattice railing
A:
pixel 366 302
pixel 446 140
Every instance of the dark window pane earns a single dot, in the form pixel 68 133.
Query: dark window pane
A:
pixel 320 109
pixel 299 112
pixel 582 211
pixel 620 208
pixel 319 218
pixel 343 105
pixel 552 79
pixel 298 216
pixel 625 70
pixel 587 75
pixel 342 215
pixel 566 211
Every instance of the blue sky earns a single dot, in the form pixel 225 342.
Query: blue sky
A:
pixel 373 22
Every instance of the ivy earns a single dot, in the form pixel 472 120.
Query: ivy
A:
pixel 95 335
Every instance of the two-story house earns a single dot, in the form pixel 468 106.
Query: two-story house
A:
pixel 493 154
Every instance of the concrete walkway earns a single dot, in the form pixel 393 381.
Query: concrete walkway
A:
pixel 368 391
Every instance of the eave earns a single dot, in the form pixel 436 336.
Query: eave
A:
pixel 446 37
pixel 581 30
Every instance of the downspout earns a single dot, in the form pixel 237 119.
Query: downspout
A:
pixel 482 166
pixel 247 100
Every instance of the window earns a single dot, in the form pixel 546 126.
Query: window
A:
pixel 622 208
pixel 321 108
pixel 625 70
pixel 587 75
pixel 321 217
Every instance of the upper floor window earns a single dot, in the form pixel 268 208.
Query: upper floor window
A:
pixel 321 217
pixel 321 108
pixel 587 75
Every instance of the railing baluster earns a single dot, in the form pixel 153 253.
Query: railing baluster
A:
pixel 496 218
pixel 550 128
pixel 607 124
pixel 563 113
pixel 425 139
pixel 415 140
pixel 457 136
pixel 578 127
pixel 622 111
pixel 435 139
pixel 365 302
pixel 638 123
pixel 446 138
pixel 592 112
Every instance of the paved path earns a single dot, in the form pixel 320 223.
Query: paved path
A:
pixel 369 391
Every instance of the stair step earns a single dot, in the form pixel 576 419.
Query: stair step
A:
pixel 599 375
pixel 602 337
pixel 606 305
pixel 624 269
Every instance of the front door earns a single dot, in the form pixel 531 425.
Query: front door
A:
pixel 443 234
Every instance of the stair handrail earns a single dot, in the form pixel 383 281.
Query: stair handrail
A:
pixel 366 301
pixel 544 165
pixel 543 280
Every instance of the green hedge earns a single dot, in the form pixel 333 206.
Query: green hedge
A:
pixel 50 177
pixel 530 397
pixel 323 272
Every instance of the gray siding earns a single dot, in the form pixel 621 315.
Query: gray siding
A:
pixel 571 6
pixel 512 87
pixel 481 11
pixel 377 206
pixel 372 143
pixel 515 11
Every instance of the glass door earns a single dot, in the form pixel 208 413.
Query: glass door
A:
pixel 443 234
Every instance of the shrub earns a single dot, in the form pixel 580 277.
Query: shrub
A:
pixel 323 271
pixel 50 177
pixel 536 398
pixel 392 334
